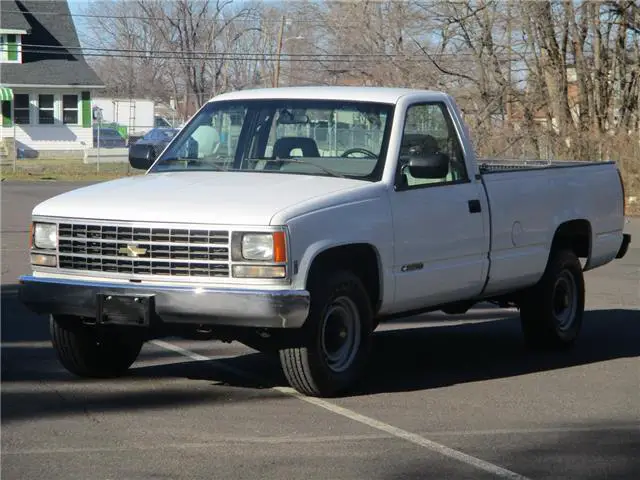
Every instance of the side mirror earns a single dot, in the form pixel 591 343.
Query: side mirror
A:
pixel 141 156
pixel 431 166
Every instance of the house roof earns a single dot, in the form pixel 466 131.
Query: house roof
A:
pixel 12 18
pixel 51 54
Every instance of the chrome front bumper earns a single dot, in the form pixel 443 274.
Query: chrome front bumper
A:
pixel 144 304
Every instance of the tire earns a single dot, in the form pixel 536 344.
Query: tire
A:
pixel 336 340
pixel 551 313
pixel 88 352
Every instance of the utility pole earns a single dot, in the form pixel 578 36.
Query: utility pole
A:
pixel 276 80
pixel 509 86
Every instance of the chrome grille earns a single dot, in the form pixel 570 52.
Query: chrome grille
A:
pixel 143 250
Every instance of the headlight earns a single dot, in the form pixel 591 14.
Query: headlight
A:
pixel 45 235
pixel 257 246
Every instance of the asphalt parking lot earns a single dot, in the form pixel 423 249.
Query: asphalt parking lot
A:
pixel 443 398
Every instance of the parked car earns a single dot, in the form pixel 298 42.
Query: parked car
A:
pixel 158 138
pixel 109 138
pixel 303 252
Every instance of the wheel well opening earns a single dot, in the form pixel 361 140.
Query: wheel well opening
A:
pixel 574 235
pixel 361 259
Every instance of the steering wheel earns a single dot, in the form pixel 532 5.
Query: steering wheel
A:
pixel 364 151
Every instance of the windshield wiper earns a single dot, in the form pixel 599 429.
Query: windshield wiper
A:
pixel 303 162
pixel 194 161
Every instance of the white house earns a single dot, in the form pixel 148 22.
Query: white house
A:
pixel 45 83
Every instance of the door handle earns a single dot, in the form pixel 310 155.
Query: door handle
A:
pixel 474 206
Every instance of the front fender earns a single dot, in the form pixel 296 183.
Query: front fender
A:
pixel 366 221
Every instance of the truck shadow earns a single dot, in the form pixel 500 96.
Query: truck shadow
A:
pixel 423 358
pixel 409 359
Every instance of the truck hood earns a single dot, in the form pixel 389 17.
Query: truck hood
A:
pixel 230 198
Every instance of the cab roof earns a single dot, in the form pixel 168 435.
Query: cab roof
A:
pixel 359 94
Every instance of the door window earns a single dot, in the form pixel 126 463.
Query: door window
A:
pixel 428 131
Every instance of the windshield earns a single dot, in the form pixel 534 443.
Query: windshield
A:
pixel 311 137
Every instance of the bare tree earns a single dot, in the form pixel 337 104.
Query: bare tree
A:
pixel 123 50
pixel 194 31
pixel 166 49
pixel 544 78
pixel 371 42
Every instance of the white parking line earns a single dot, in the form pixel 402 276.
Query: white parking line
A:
pixel 43 344
pixel 371 422
pixel 175 348
pixel 542 430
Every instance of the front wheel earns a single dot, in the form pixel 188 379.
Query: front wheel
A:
pixel 551 313
pixel 337 337
pixel 89 352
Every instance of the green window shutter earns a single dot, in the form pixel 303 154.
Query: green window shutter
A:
pixel 6 114
pixel 86 110
pixel 12 48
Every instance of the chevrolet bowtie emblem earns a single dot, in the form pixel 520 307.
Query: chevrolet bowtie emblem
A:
pixel 132 250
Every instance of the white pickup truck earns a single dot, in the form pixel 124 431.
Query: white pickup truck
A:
pixel 294 220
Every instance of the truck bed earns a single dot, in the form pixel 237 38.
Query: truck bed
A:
pixel 530 199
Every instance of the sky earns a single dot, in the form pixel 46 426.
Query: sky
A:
pixel 76 7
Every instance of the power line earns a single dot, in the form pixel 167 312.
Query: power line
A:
pixel 244 19
pixel 252 19
pixel 231 57
pixel 153 53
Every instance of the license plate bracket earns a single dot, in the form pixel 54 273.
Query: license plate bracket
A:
pixel 115 309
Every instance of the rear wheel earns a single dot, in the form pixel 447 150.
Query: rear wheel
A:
pixel 91 352
pixel 337 337
pixel 551 313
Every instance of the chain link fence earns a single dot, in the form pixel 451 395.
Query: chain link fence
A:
pixel 102 153
pixel 107 157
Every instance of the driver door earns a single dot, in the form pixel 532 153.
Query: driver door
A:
pixel 441 243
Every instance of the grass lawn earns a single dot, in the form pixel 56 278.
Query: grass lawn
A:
pixel 65 169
